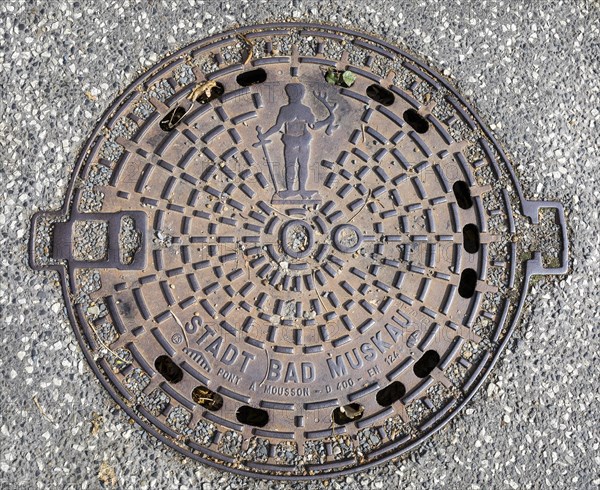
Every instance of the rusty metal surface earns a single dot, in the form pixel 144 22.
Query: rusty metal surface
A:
pixel 284 276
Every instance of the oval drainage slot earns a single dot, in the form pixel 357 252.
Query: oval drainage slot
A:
pixel 255 417
pixel 426 364
pixel 471 240
pixel 390 394
pixel 467 284
pixel 463 194
pixel 380 94
pixel 207 398
pixel 416 121
pixel 348 413
pixel 172 119
pixel 213 91
pixel 251 77
pixel 168 369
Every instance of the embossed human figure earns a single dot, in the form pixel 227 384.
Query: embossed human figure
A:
pixel 297 119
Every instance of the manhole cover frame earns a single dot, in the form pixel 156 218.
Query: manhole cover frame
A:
pixel 529 209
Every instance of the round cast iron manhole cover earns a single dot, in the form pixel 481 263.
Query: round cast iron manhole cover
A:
pixel 294 251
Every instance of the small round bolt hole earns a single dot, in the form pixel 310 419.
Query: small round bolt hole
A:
pixel 168 369
pixel 207 398
pixel 348 413
pixel 255 417
pixel 390 394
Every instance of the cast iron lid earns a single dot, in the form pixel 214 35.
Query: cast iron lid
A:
pixel 294 250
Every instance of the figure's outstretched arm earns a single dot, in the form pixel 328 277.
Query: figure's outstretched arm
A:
pixel 277 126
pixel 329 121
pixel 320 124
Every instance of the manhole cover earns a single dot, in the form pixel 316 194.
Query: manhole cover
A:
pixel 295 251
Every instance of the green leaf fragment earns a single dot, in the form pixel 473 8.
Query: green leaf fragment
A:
pixel 331 77
pixel 337 77
pixel 348 78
